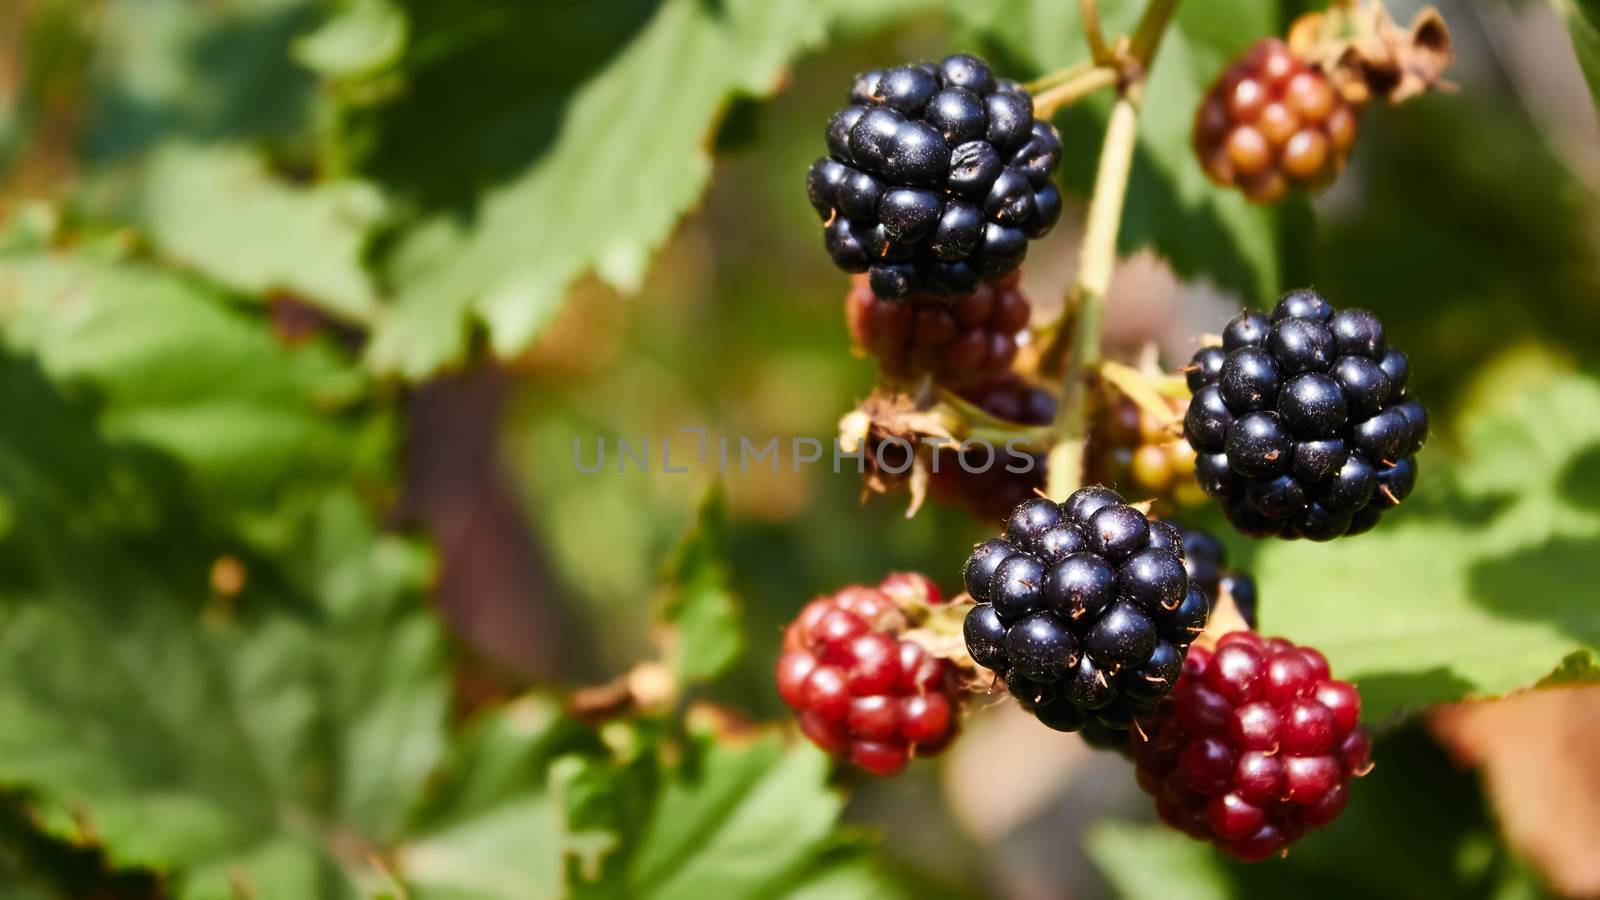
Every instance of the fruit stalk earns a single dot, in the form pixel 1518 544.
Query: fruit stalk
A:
pixel 1086 303
pixel 1099 51
pixel 1078 336
pixel 1064 93
pixel 1151 28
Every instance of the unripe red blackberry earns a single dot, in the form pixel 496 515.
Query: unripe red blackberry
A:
pixel 1271 122
pixel 1084 608
pixel 989 488
pixel 936 178
pixel 860 691
pixel 1254 748
pixel 959 342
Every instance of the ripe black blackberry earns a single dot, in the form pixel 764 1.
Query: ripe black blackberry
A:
pixel 1206 560
pixel 1302 423
pixel 937 176
pixel 1084 608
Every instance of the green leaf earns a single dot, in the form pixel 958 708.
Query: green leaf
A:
pixel 1203 231
pixel 719 820
pixel 168 69
pixel 36 866
pixel 701 608
pixel 737 822
pixel 286 737
pixel 1482 583
pixel 848 873
pixel 243 739
pixel 1583 22
pixel 187 742
pixel 1580 667
pixel 624 157
pixel 367 37
pixel 1144 861
pixel 210 209
pixel 176 368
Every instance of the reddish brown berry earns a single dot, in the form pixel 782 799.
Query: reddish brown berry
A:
pixel 859 691
pixel 1271 122
pixel 959 341
pixel 1255 746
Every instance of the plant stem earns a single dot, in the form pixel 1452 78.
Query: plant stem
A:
pixel 1075 340
pixel 1050 101
pixel 1148 33
pixel 1086 303
pixel 1045 82
pixel 1099 50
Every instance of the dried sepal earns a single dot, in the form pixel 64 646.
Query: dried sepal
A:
pixel 896 437
pixel 1367 55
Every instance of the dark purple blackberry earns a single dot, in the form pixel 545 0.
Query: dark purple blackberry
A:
pixel 1085 608
pixel 1206 560
pixel 935 175
pixel 1302 422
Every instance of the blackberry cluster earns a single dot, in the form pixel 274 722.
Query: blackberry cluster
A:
pixel 1137 453
pixel 1271 121
pixel 991 492
pixel 936 177
pixel 1302 422
pixel 1206 560
pixel 959 342
pixel 1254 748
pixel 1084 608
pixel 859 691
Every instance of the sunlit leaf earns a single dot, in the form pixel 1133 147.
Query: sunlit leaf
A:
pixel 1481 583
pixel 617 162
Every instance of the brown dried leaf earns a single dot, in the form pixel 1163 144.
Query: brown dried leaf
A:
pixel 1539 752
pixel 1366 55
pixel 896 423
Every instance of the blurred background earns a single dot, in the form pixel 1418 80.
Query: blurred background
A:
pixel 479 234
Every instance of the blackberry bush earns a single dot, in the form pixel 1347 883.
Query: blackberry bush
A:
pixel 936 178
pixel 1302 423
pixel 861 691
pixel 1084 609
pixel 1271 121
pixel 958 342
pixel 1254 748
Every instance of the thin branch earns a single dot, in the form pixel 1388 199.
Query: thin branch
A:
pixel 1086 303
pixel 1050 101
pixel 1148 33
pixel 1045 82
pixel 1099 50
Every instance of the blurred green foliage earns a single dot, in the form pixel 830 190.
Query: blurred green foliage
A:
pixel 220 668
